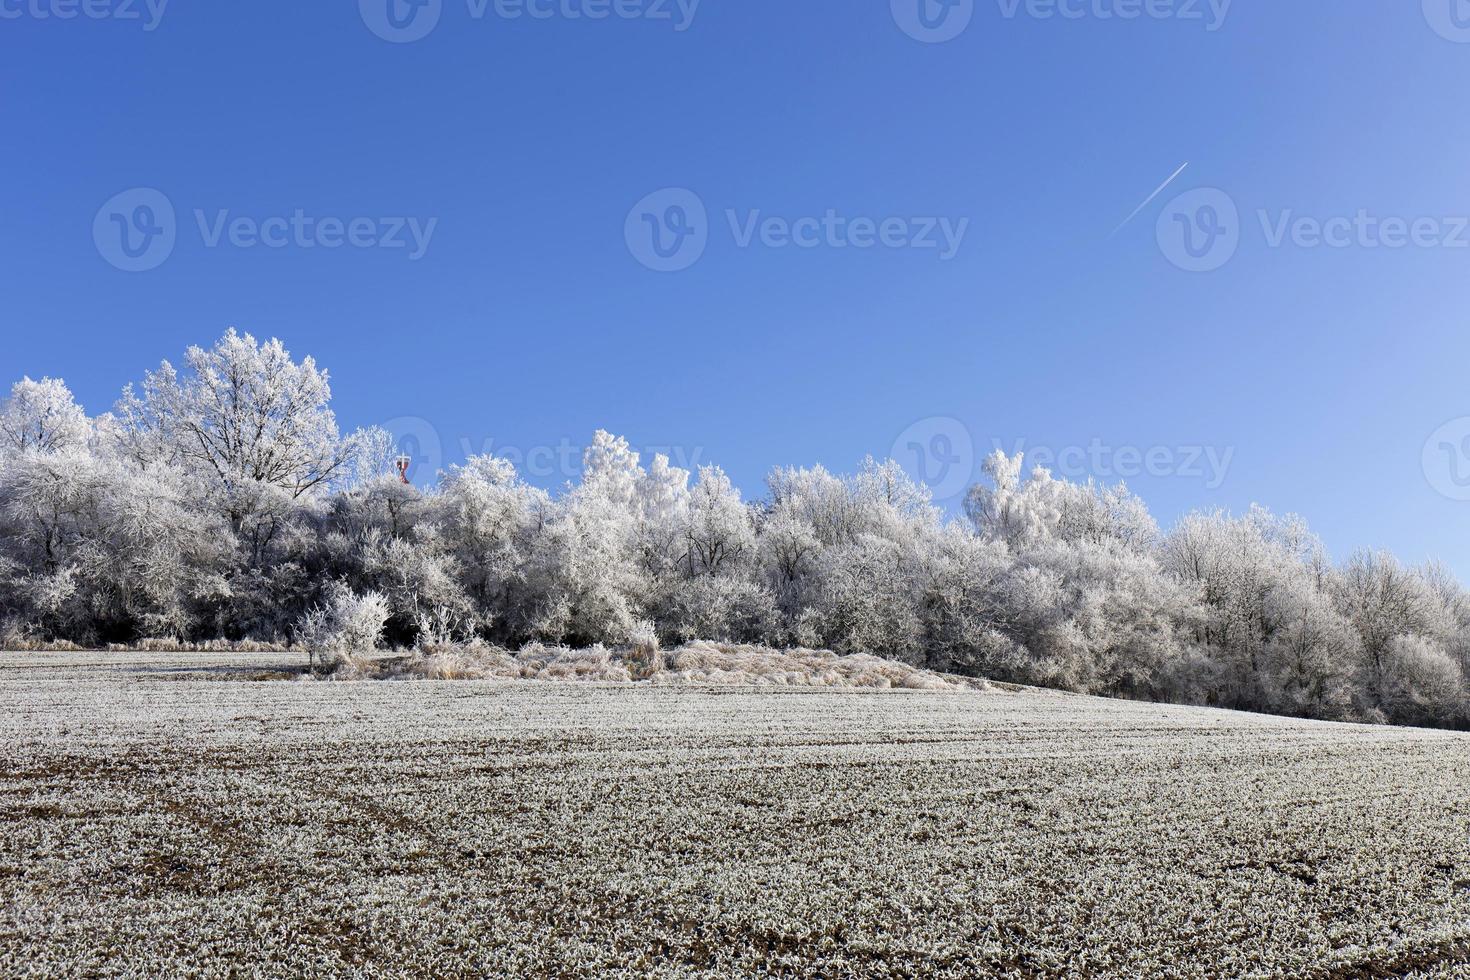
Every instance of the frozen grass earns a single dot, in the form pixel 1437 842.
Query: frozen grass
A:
pixel 693 664
pixel 150 645
pixel 163 826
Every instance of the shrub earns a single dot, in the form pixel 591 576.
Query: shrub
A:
pixel 645 659
pixel 344 625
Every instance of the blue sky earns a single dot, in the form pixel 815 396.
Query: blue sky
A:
pixel 1321 373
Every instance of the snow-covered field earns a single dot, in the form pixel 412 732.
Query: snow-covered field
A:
pixel 161 818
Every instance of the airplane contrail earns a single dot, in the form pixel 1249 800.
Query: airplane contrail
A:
pixel 1148 200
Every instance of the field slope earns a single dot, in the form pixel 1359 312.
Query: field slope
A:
pixel 162 818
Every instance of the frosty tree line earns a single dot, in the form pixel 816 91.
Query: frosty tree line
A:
pixel 220 501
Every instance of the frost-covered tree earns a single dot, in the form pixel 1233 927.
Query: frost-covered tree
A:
pixel 1272 637
pixel 1086 603
pixel 788 547
pixel 661 515
pixel 845 556
pixel 242 415
pixel 718 531
pixel 969 602
pixel 1038 508
pixel 586 582
pixel 492 524
pixel 865 599
pixel 1454 600
pixel 1399 614
pixel 709 587
pixel 254 436
pixel 100 553
pixel 42 415
pixel 819 500
pixel 1418 682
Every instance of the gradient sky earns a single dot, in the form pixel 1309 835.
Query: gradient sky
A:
pixel 1321 372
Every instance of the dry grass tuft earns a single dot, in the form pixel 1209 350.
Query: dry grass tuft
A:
pixel 699 663
pixel 719 663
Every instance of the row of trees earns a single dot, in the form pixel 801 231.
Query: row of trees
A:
pixel 221 501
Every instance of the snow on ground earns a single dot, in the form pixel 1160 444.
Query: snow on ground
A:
pixel 161 818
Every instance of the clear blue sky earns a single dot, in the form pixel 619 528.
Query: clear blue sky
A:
pixel 529 322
